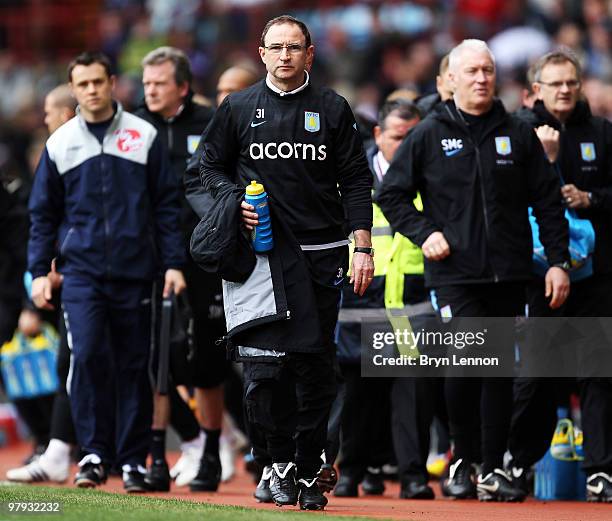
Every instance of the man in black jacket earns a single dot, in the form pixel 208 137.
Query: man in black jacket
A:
pixel 426 103
pixel 169 106
pixel 477 170
pixel 302 144
pixel 579 147
pixel 13 229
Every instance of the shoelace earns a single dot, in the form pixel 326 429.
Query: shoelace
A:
pixel 94 459
pixel 284 477
pixel 307 483
pixel 460 472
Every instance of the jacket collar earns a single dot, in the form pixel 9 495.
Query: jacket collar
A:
pixel 282 93
pixel 184 109
pixel 580 114
pixel 448 112
pixel 114 123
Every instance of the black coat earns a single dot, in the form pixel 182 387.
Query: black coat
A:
pixel 274 289
pixel 180 135
pixel 585 160
pixel 13 245
pixel 476 190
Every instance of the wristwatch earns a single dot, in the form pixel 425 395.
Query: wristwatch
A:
pixel 362 249
pixel 565 265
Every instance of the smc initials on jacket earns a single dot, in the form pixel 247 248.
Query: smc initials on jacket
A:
pixel 476 184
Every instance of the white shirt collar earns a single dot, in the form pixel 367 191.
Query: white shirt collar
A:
pixel 382 163
pixel 274 88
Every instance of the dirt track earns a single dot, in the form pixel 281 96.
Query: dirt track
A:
pixel 238 492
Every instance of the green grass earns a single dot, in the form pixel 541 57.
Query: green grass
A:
pixel 94 505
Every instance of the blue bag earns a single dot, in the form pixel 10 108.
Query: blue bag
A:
pixel 28 365
pixel 581 245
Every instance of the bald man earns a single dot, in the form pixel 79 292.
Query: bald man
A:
pixel 234 79
pixel 60 106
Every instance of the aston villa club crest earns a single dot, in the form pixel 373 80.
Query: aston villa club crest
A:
pixel 311 121
pixel 192 143
pixel 588 151
pixel 503 145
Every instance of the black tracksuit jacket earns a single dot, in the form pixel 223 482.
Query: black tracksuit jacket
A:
pixel 13 244
pixel 304 148
pixel 475 191
pixel 585 160
pixel 180 136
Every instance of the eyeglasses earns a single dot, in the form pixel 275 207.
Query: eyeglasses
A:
pixel 292 48
pixel 570 84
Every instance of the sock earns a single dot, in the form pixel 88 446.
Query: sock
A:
pixel 211 445
pixel 158 444
pixel 57 451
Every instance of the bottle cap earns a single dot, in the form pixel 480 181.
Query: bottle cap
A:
pixel 254 188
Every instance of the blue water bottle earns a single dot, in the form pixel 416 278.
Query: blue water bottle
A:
pixel 262 233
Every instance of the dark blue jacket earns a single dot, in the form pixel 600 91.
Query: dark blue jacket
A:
pixel 108 210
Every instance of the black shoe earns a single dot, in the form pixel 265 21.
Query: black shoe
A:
pixel 157 477
pixel 327 478
pixel 346 487
pixel 283 488
pixel 262 493
pixel 373 483
pixel 416 490
pixel 209 475
pixel 520 479
pixel 599 488
pixel 460 484
pixel 91 472
pixel 497 486
pixel 311 497
pixel 134 479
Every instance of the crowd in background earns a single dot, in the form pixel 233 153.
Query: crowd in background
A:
pixel 364 49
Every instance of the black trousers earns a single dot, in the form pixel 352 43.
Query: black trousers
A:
pixel 62 426
pixel 536 399
pixel 366 422
pixel 288 401
pixel 414 404
pixel 480 409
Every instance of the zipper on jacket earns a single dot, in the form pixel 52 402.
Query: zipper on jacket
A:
pixel 65 241
pixel 170 137
pixel 282 315
pixel 107 232
pixel 483 196
pixel 481 179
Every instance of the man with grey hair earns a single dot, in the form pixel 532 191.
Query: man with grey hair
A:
pixel 578 145
pixel 169 106
pixel 477 170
